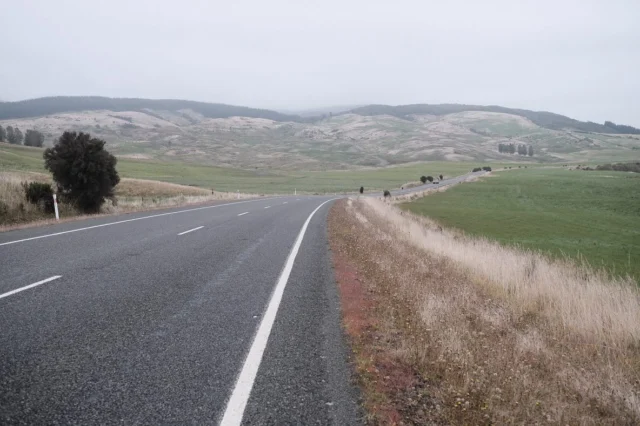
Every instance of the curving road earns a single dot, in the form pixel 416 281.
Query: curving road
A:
pixel 220 314
pixel 170 318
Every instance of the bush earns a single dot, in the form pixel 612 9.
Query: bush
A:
pixel 83 170
pixel 430 178
pixel 361 189
pixel 441 177
pixel 40 194
pixel 486 168
pixel 386 193
pixel 477 169
pixel 423 179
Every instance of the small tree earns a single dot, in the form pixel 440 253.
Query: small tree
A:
pixel 530 151
pixel 441 177
pixel 3 134
pixel 386 193
pixel 486 168
pixel 83 170
pixel 423 179
pixel 362 190
pixel 430 178
pixel 34 138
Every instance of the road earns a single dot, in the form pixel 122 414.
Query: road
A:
pixel 444 182
pixel 169 318
pixel 219 314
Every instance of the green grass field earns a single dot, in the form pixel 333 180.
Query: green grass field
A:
pixel 591 216
pixel 19 158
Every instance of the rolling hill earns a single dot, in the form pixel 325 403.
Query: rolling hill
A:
pixel 370 136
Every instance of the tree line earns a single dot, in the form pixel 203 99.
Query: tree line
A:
pixel 14 136
pixel 509 148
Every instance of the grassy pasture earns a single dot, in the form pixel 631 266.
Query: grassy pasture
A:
pixel 266 181
pixel 589 216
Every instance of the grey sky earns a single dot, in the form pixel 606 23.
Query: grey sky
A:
pixel 579 58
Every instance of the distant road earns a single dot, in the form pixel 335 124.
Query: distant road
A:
pixel 149 318
pixel 444 182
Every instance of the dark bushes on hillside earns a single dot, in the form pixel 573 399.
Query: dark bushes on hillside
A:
pixel 620 167
pixel 40 194
pixel 486 168
pixel 477 169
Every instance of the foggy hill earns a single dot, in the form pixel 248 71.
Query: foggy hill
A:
pixel 61 104
pixel 544 119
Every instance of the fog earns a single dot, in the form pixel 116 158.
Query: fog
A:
pixel 579 58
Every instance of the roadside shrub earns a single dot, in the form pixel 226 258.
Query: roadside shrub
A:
pixel 423 179
pixel 430 178
pixel 486 168
pixel 386 193
pixel 441 177
pixel 39 193
pixel 477 169
pixel 83 170
pixel 362 189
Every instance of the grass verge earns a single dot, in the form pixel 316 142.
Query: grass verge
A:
pixel 593 217
pixel 448 329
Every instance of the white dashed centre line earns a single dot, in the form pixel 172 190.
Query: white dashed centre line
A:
pixel 27 287
pixel 285 202
pixel 267 207
pixel 191 230
pixel 242 214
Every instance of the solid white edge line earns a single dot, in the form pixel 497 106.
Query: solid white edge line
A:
pixel 242 214
pixel 285 202
pixel 27 287
pixel 242 390
pixel 127 220
pixel 191 230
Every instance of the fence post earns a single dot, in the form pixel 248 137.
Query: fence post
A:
pixel 55 206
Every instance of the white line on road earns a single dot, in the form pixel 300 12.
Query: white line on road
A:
pixel 285 202
pixel 125 221
pixel 27 287
pixel 235 407
pixel 191 230
pixel 242 214
pixel 267 207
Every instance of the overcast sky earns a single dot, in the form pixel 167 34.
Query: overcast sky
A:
pixel 579 58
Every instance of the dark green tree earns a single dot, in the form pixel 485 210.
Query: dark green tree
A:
pixel 3 134
pixel 362 189
pixel 83 170
pixel 530 151
pixel 423 179
pixel 430 178
pixel 34 138
pixel 17 134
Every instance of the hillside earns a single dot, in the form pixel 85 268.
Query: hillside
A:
pixel 64 104
pixel 373 136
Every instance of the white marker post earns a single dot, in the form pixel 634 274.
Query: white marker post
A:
pixel 55 206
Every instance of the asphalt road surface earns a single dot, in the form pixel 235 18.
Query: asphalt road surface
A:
pixel 219 314
pixel 216 314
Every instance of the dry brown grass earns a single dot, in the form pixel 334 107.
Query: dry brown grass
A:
pixel 485 334
pixel 131 195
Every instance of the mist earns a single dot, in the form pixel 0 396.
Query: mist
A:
pixel 577 58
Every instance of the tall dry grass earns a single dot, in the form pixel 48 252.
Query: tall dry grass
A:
pixel 604 310
pixel 491 335
pixel 130 195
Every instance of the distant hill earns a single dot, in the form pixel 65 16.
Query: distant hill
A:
pixel 62 104
pixel 544 119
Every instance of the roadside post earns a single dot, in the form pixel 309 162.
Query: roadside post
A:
pixel 55 206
